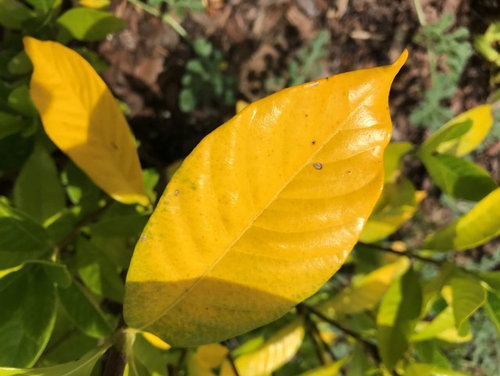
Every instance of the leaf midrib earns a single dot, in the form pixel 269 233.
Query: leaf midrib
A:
pixel 321 146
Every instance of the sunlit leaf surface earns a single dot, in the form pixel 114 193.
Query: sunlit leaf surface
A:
pixel 263 211
pixel 82 118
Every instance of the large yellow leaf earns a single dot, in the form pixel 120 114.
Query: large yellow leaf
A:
pixel 365 294
pixel 81 117
pixel 263 211
pixel 277 351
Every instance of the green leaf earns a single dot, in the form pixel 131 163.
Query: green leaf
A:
pixel 428 352
pixel 153 358
pixel 449 132
pixel 119 221
pixel 458 177
pixel 21 238
pixel 37 190
pixel 397 316
pixel 98 272
pixel 476 227
pixel 493 309
pixel 84 312
pixel 422 369
pixel 397 205
pixel 10 124
pixel 27 316
pixel 13 14
pixel 89 25
pixel 80 189
pixel 80 367
pixel 441 327
pixel 392 159
pixel 19 100
pixel 367 292
pixel 467 296
pixel 14 150
pixel 492 279
pixel 20 64
pixel 44 5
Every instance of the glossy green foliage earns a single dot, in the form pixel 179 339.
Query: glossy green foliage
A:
pixel 21 238
pixel 27 316
pixel 90 25
pixel 397 317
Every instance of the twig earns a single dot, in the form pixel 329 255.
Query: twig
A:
pixel 229 357
pixel 314 334
pixel 79 226
pixel 115 363
pixel 168 19
pixel 174 371
pixel 369 346
pixel 408 253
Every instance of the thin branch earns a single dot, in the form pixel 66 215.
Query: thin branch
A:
pixel 409 254
pixel 166 18
pixel 314 334
pixel 175 371
pixel 79 226
pixel 231 360
pixel 369 346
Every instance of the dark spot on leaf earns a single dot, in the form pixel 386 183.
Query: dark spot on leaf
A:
pixel 349 171
pixel 313 142
pixel 176 193
pixel 114 145
pixel 318 166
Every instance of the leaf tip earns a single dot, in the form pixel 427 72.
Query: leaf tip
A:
pixel 400 61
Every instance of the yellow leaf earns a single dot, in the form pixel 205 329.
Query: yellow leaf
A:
pixel 397 205
pixel 155 341
pixel 211 355
pixel 196 368
pixel 240 105
pixel 365 294
pixel 263 211
pixel 81 117
pixel 481 119
pixel 441 327
pixel 94 4
pixel 474 228
pixel 277 351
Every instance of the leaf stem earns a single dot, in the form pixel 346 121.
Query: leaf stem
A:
pixel 231 361
pixel 410 254
pixel 369 346
pixel 79 226
pixel 166 18
pixel 174 371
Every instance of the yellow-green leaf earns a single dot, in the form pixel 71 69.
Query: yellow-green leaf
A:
pixel 476 227
pixel 80 367
pixel 467 295
pixel 211 355
pixel 277 351
pixel 481 121
pixel 82 118
pixel 331 369
pixel 365 294
pixel 441 327
pixel 263 211
pixel 397 205
pixel 422 369
pixel 392 159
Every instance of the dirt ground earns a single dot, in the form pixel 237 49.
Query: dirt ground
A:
pixel 259 39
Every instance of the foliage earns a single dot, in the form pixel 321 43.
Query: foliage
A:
pixel 254 221
pixel 431 112
pixel 206 78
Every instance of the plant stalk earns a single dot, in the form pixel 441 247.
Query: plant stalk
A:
pixel 408 254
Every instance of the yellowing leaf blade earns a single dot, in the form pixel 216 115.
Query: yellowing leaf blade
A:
pixel 278 194
pixel 82 118
pixel 476 227
pixel 277 351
